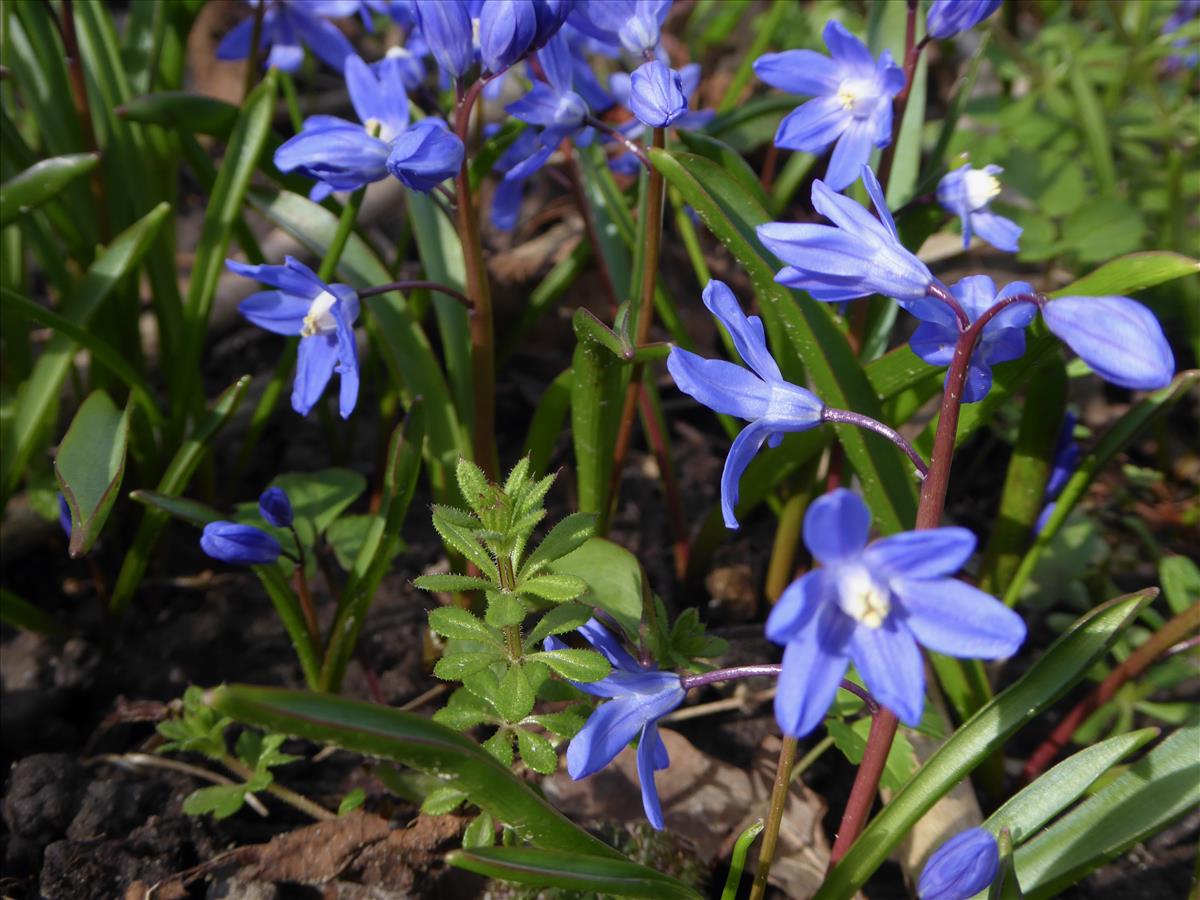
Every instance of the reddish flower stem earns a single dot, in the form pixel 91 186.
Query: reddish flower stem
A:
pixel 912 55
pixel 846 417
pixel 1161 641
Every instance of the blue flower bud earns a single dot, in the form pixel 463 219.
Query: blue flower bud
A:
pixel 551 15
pixel 425 155
pixel 446 27
pixel 960 868
pixel 275 507
pixel 656 95
pixel 947 18
pixel 507 28
pixel 1117 337
pixel 241 545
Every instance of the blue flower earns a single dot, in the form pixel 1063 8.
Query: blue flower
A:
pixel 947 18
pixel 874 604
pixel 962 867
pixel 1185 11
pixel 447 28
pixel 1003 337
pixel 759 394
pixel 275 507
pixel 344 156
pixel 634 25
pixel 506 30
pixel 638 697
pixel 321 314
pixel 656 95
pixel 425 155
pixel 241 545
pixel 861 256
pixel 287 25
pixel 506 200
pixel 852 102
pixel 552 105
pixel 408 63
pixel 966 192
pixel 1118 338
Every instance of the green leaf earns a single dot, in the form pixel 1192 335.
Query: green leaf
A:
pixel 1150 795
pixel 1037 804
pixel 1095 129
pixel 596 391
pixel 851 739
pixel 456 666
pixel 20 613
pixel 613 576
pixel 452 583
pixel 565 537
pixel 352 801
pixel 442 800
pixel 537 752
pixel 190 511
pixel 413 741
pixel 555 588
pixel 566 722
pixel 587 874
pixel 449 525
pixel 574 665
pixel 728 159
pixel 1054 673
pixel 89 466
pixel 184 110
pixel 318 498
pixel 474 486
pixel 504 609
pixel 808 327
pixel 737 860
pixel 1180 580
pixel 500 746
pixel 514 698
pixel 222 800
pixel 452 622
pixel 1130 274
pixel 348 535
pixel 558 620
pixel 40 182
pixel 480 833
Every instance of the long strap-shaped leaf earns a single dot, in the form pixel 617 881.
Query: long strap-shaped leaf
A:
pixel 731 214
pixel 415 741
pixel 1060 667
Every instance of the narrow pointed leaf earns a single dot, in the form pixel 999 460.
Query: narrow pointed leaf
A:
pixel 40 182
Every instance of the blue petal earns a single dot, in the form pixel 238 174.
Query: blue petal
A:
pixel 236 44
pixel 849 215
pixel 836 526
pixel 745 445
pixel 366 94
pixel 506 29
pixel 845 47
pixel 609 646
pixel 998 231
pixel 748 334
pixel 242 545
pixel 538 107
pixel 656 95
pixel 425 155
pixel 613 725
pixel 879 201
pixel 558 63
pixel 1018 315
pixel 804 72
pixel 325 39
pixel 890 663
pixel 797 605
pixel 951 617
pixel 932 553
pixel 813 126
pixel 850 154
pixel 813 666
pixel 651 750
pixel 1004 344
pixel 447 29
pixel 978 381
pixel 293 277
pixel 934 343
pixel 315 360
pixel 275 311
pixel 506 203
pixel 975 294
pixel 1117 337
pixel 347 361
pixel 962 867
pixel 719 385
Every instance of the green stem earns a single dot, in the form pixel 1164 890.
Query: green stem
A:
pixel 787 539
pixel 288 796
pixel 251 75
pixel 779 793
pixel 483 349
pixel 292 101
pixel 807 760
pixel 333 253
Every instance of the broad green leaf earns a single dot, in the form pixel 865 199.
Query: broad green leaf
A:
pixel 348 535
pixel 1130 274
pixel 558 620
pixel 222 800
pixel 481 833
pixel 1150 795
pixel 807 325
pixel 37 394
pixel 1180 581
pixel 573 872
pixel 463 539
pixel 352 801
pixel 457 666
pixel 414 741
pixel 500 746
pixel 1037 804
pixel 320 497
pixel 442 800
pixel 851 739
pixel 565 537
pixel 89 466
pixel 40 182
pixel 614 578
pixel 537 752
pixel 575 665
pixel 555 588
pixel 20 613
pixel 453 622
pixel 514 699
pixel 728 159
pixel 1054 673
pixel 504 610
pixel 565 723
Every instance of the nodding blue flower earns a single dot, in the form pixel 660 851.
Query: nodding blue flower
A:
pixel 852 103
pixel 637 698
pixel 425 155
pixel 507 28
pixel 1062 466
pixel 874 604
pixel 447 28
pixel 1003 337
pixel 966 192
pixel 344 156
pixel 275 507
pixel 857 256
pixel 634 25
pixel 962 867
pixel 552 105
pixel 322 315
pixel 656 94
pixel 758 393
pixel 689 120
pixel 287 26
pixel 407 62
pixel 241 545
pixel 947 18
pixel 1119 339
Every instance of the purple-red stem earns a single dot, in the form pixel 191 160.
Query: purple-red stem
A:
pixel 416 286
pixel 768 670
pixel 912 54
pixel 846 417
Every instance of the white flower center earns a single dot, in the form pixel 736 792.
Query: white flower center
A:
pixel 856 96
pixel 397 53
pixel 981 187
pixel 862 598
pixel 377 128
pixel 320 318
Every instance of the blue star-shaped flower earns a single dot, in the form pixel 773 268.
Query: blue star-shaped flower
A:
pixel 967 193
pixel 287 25
pixel 874 604
pixel 637 698
pixel 321 314
pixel 852 103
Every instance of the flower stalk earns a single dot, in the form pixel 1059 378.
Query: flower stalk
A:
pixel 779 794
